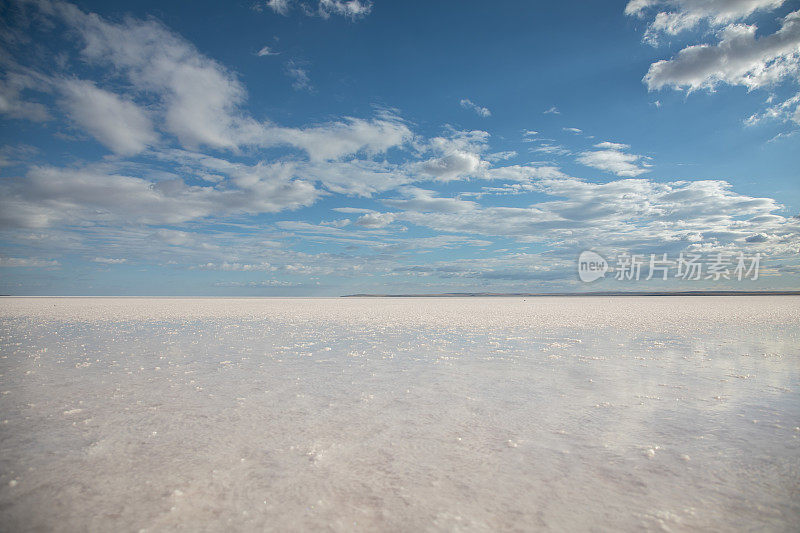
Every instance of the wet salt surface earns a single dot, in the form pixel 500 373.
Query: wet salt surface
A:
pixel 677 414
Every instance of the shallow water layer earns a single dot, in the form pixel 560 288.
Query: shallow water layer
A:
pixel 479 414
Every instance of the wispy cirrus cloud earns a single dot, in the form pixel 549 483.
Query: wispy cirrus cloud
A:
pixel 279 6
pixel 27 262
pixel 266 51
pixel 466 103
pixel 352 9
pixel 301 81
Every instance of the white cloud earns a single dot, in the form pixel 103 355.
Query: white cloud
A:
pixel 637 7
pixel 266 51
pixel 612 146
pixel 523 174
pixel 279 6
pixel 622 213
pixel 480 110
pixel 12 103
pixel 424 201
pixel 551 149
pixel 739 55
pixel 300 79
pixel 48 195
pixel 117 123
pixel 687 14
pixel 25 262
pixel 353 210
pixel 354 177
pixel 501 156
pixel 788 110
pixel 196 99
pixel 457 156
pixel 352 9
pixel 199 96
pixel 552 111
pixel 345 137
pixel 739 58
pixel 375 220
pixel 348 8
pixel 174 237
pixel 258 284
pixel 612 158
pixel 454 165
pixel 238 267
pixel 185 99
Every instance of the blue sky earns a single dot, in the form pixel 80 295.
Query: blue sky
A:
pixel 326 147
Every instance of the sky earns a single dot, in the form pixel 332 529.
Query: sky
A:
pixel 330 147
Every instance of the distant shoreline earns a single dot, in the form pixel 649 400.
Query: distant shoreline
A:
pixel 596 293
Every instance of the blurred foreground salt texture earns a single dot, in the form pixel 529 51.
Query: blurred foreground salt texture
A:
pixel 564 414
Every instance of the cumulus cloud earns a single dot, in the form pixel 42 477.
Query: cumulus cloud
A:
pixel 466 103
pixel 739 58
pixel 683 15
pixel 375 220
pixel 453 165
pixel 110 260
pixel 457 156
pixel 611 157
